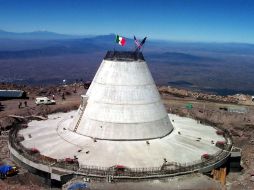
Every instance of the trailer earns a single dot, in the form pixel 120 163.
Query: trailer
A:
pixel 12 94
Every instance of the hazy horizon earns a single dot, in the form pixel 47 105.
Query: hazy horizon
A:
pixel 188 21
pixel 131 37
pixel 205 44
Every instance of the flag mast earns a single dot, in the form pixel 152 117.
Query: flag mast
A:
pixel 139 45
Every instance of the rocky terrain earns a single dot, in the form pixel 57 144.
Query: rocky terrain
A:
pixel 207 108
pixel 234 99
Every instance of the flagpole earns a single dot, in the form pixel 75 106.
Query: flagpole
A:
pixel 114 45
pixel 143 44
pixel 134 43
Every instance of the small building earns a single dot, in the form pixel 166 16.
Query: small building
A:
pixel 12 94
pixel 237 109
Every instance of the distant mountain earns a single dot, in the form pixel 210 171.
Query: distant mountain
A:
pixel 42 48
pixel 44 43
pixel 179 58
pixel 37 35
pixel 221 48
pixel 47 58
pixel 97 44
pixel 69 47
pixel 10 41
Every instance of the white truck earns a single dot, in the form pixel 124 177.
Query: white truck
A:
pixel 44 100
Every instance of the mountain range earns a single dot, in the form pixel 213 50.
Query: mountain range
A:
pixel 44 57
pixel 38 35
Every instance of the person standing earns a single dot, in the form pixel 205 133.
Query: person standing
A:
pixel 63 96
pixel 20 104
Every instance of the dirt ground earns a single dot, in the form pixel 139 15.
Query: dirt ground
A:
pixel 240 125
pixel 25 180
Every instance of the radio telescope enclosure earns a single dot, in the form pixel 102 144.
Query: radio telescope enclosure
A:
pixel 121 129
pixel 123 102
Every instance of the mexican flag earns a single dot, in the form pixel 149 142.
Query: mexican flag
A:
pixel 120 40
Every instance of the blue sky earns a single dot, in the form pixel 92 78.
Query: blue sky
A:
pixel 179 20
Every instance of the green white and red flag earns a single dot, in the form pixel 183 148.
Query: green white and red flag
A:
pixel 120 40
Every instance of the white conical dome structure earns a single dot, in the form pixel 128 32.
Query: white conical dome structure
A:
pixel 123 102
pixel 122 122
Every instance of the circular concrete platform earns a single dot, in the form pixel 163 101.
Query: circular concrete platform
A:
pixel 185 145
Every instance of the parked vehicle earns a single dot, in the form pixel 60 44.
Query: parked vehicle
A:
pixel 78 186
pixel 44 100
